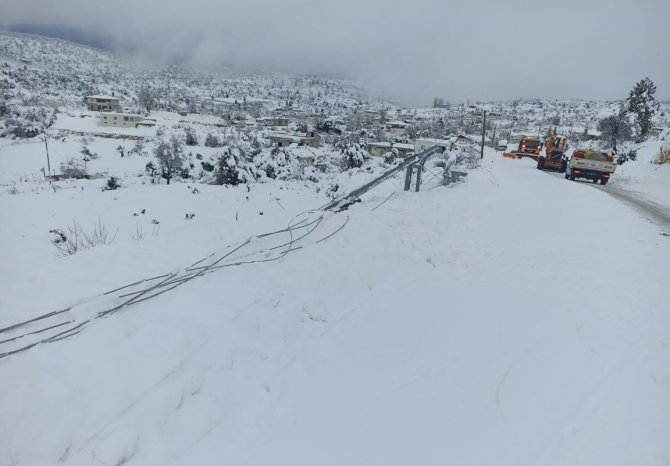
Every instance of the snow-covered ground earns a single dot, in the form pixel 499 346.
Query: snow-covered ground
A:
pixel 517 318
pixel 645 178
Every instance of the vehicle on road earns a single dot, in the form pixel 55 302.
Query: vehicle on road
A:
pixel 592 165
pixel 528 147
pixel 502 145
pixel 554 158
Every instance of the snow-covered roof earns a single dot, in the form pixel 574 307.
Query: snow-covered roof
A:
pixel 120 114
pixel 102 97
pixel 389 145
pixel 433 141
pixel 232 100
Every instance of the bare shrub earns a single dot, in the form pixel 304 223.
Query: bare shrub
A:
pixel 139 233
pixel 72 168
pixel 77 239
pixel 664 157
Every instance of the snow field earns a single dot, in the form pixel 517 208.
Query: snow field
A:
pixel 514 319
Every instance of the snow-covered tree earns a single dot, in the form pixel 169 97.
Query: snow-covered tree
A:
pixel 640 102
pixel 212 140
pixel 191 138
pixel 227 169
pixel 146 97
pixel 615 128
pixel 170 155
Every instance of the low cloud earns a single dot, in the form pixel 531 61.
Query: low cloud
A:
pixel 456 49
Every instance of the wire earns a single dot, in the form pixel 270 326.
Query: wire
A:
pixel 171 281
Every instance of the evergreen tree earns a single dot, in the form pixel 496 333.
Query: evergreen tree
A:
pixel 640 102
pixel 227 172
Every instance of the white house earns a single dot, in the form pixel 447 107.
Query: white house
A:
pixel 123 120
pixel 103 103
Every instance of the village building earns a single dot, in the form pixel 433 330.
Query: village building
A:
pixel 378 149
pixel 124 120
pixel 462 140
pixel 103 103
pixel 311 139
pixel 421 145
pixel 396 127
pixel 272 121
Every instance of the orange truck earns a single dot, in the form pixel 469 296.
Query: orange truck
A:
pixel 528 147
pixel 554 158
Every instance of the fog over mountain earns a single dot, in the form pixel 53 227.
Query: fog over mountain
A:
pixel 455 49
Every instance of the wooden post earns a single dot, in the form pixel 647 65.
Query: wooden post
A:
pixel 483 134
pixel 48 162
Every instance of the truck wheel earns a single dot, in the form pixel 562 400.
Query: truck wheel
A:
pixel 567 177
pixel 564 166
pixel 595 180
pixel 603 181
pixel 572 177
pixel 540 163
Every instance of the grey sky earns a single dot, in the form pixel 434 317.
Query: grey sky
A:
pixel 456 49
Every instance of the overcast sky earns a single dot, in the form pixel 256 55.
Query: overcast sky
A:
pixel 417 49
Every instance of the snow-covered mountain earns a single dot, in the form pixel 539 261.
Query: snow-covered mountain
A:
pixel 57 72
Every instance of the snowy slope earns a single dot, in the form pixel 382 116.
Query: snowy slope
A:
pixel 645 178
pixel 515 319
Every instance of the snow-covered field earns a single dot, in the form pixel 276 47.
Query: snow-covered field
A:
pixel 517 318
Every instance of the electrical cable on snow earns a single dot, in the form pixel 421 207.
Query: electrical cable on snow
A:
pixel 169 282
pixel 173 280
pixel 382 203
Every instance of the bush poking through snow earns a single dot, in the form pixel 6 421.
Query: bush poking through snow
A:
pixel 73 169
pixel 77 239
pixel 212 141
pixel 139 233
pixel 664 157
pixel 626 156
pixel 112 184
pixel 355 155
pixel 138 148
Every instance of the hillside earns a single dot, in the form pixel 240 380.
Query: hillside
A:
pixel 175 293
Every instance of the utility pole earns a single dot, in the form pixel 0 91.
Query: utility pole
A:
pixel 483 134
pixel 47 148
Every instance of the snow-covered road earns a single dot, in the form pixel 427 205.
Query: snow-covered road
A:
pixel 516 319
pixel 651 210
